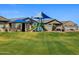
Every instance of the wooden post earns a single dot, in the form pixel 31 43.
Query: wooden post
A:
pixel 23 27
pixel 10 26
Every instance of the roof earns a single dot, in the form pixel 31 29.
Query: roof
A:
pixel 55 21
pixel 12 19
pixel 44 21
pixel 69 23
pixel 19 21
pixel 3 19
pixel 41 15
pixel 29 19
pixel 23 20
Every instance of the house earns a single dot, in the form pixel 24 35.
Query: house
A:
pixel 54 25
pixel 23 24
pixel 4 24
pixel 70 26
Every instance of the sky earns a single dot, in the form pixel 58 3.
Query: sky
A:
pixel 61 12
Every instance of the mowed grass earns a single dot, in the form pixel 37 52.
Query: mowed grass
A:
pixel 39 43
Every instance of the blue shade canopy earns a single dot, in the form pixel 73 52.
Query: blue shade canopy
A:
pixel 18 21
pixel 23 20
pixel 41 15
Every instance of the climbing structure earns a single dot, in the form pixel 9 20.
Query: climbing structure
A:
pixel 41 16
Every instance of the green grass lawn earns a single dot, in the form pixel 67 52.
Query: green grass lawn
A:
pixel 39 43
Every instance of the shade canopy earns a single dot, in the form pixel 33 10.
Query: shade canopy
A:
pixel 41 15
pixel 18 21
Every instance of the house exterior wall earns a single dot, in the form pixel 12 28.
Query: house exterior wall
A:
pixel 54 25
pixel 48 27
pixel 70 28
pixel 4 27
